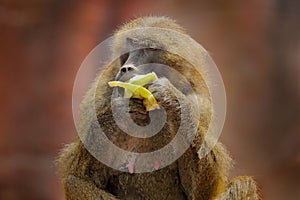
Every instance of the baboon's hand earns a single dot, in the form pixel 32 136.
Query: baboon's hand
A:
pixel 166 94
pixel 180 108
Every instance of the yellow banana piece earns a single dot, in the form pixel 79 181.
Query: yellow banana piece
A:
pixel 142 80
pixel 134 88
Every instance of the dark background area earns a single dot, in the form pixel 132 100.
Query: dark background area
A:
pixel 255 44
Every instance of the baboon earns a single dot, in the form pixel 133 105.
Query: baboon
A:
pixel 191 176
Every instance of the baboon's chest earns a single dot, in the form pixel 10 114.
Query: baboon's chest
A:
pixel 160 184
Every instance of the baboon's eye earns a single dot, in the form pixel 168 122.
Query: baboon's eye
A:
pixel 124 58
pixel 152 49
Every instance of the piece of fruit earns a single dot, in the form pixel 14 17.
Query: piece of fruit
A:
pixel 134 89
pixel 140 80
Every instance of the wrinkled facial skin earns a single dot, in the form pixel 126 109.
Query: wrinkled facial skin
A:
pixel 139 52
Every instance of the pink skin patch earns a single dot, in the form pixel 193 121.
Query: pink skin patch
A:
pixel 131 162
pixel 130 166
pixel 156 164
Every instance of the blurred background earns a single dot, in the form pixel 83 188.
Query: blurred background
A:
pixel 255 44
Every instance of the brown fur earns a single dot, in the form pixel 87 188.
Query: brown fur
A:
pixel 190 177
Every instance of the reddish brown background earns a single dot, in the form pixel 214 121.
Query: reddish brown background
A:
pixel 256 45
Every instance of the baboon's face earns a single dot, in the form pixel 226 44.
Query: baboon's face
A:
pixel 140 58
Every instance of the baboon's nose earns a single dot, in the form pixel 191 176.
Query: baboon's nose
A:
pixel 127 68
